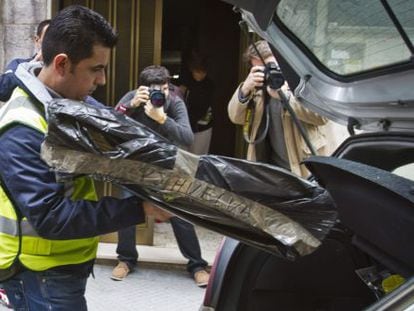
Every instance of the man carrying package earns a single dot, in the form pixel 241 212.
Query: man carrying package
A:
pixel 49 229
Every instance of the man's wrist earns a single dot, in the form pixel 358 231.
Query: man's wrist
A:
pixel 241 97
pixel 162 119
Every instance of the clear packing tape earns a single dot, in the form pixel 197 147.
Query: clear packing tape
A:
pixel 259 204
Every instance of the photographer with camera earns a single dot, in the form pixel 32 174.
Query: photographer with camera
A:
pixel 153 105
pixel 157 104
pixel 268 128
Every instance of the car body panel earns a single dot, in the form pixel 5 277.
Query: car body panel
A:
pixel 373 102
pixel 386 150
pixel 377 99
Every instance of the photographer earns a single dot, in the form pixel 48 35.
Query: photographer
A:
pixel 153 105
pixel 157 105
pixel 268 128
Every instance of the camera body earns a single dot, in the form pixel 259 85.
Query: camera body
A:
pixel 273 76
pixel 157 97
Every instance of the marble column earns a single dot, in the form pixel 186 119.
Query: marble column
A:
pixel 18 22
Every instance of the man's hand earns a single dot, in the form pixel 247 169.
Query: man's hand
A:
pixel 141 97
pixel 155 113
pixel 255 79
pixel 156 212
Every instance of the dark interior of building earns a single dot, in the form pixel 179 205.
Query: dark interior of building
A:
pixel 163 31
pixel 211 27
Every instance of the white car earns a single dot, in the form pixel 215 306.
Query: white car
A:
pixel 353 62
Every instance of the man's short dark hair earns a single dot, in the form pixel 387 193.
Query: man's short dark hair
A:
pixel 154 75
pixel 41 26
pixel 75 31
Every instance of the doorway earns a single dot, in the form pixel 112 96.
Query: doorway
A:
pixel 211 27
pixel 148 28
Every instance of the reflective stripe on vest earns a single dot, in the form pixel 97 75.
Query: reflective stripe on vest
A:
pixel 23 112
pixel 10 227
pixel 36 253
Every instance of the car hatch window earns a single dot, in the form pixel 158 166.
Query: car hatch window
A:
pixel 349 37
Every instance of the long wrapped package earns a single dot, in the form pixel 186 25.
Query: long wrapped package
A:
pixel 258 204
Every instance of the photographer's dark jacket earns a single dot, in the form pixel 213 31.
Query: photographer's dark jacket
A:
pixel 176 128
pixel 296 148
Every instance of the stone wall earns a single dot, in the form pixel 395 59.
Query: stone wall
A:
pixel 18 22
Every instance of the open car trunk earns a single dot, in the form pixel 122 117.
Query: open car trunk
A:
pixel 378 206
pixel 350 61
pixel 372 240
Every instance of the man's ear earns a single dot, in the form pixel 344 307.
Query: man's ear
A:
pixel 61 64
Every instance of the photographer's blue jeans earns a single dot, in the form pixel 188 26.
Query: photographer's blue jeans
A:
pixel 186 239
pixel 184 234
pixel 46 290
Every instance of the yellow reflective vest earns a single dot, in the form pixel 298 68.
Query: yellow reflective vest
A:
pixel 19 242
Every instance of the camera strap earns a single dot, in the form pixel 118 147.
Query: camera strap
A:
pixel 285 102
pixel 249 119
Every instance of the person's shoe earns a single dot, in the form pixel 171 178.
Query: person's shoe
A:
pixel 120 272
pixel 201 278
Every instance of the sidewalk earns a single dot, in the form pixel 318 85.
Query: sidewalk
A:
pixel 160 282
pixel 165 249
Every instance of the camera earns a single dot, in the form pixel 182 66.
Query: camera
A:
pixel 157 97
pixel 273 76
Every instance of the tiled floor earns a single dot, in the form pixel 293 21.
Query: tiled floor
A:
pixel 159 283
pixel 149 288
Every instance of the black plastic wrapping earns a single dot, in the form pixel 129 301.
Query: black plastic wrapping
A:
pixel 259 204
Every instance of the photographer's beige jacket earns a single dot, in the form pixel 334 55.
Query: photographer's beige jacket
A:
pixel 296 147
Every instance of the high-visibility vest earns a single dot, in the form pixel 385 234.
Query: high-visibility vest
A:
pixel 19 242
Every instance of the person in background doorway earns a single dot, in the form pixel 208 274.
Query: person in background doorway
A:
pixel 198 90
pixel 7 79
pixel 154 105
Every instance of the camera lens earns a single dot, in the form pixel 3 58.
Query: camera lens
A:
pixel 157 98
pixel 273 76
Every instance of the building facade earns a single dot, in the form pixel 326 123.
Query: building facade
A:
pixel 18 22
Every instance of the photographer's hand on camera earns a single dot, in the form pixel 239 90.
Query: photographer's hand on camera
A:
pixel 141 97
pixel 155 113
pixel 254 80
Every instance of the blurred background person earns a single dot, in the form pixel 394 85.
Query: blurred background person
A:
pixel 198 90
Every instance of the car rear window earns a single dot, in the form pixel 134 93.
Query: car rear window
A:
pixel 349 37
